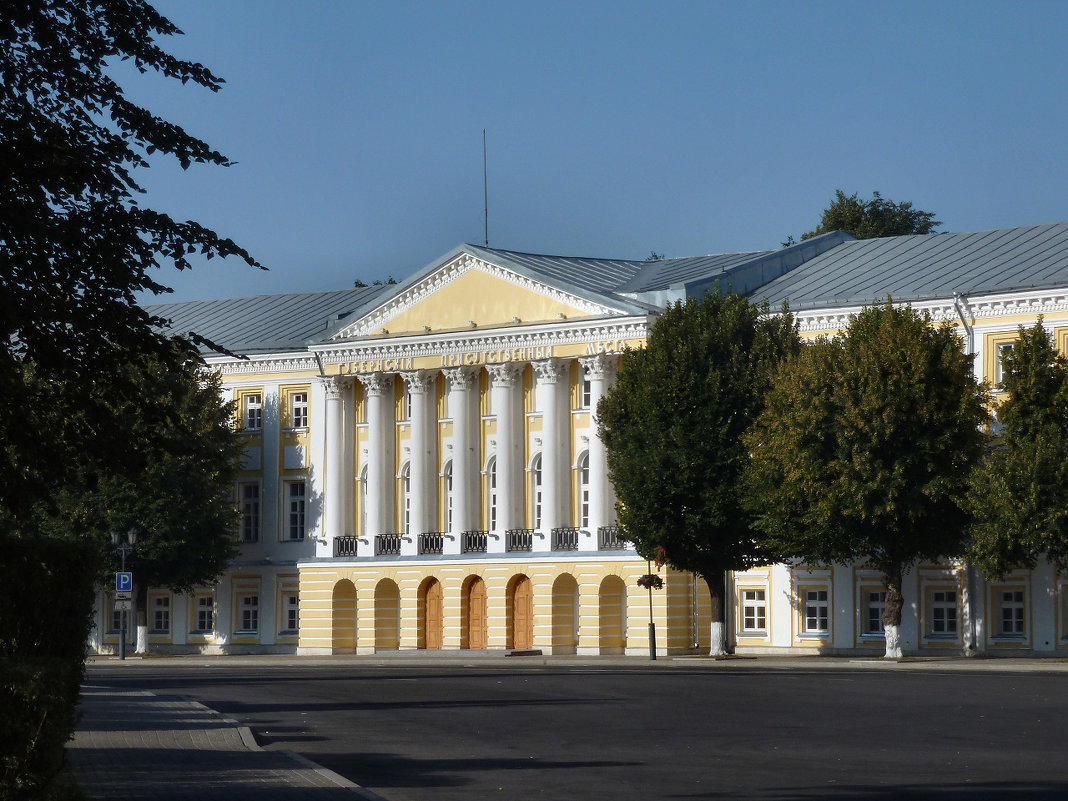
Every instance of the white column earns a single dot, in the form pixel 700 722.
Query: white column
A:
pixel 334 484
pixel 420 386
pixel 378 390
pixel 461 382
pixel 600 370
pixel 504 401
pixel 551 390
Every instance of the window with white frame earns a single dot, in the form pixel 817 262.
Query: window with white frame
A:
pixel 816 617
pixel 253 411
pixel 296 507
pixel 584 491
pixel 298 410
pixel 290 613
pixel 1001 350
pixel 161 614
pixel 873 607
pixel 754 610
pixel 250 511
pixel 585 393
pixel 942 619
pixel 491 494
pixel 248 607
pixel 447 495
pixel 204 614
pixel 115 622
pixel 1011 610
pixel 535 492
pixel 406 498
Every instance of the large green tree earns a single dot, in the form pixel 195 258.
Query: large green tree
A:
pixel 864 449
pixel 76 242
pixel 672 426
pixel 876 217
pixel 1019 495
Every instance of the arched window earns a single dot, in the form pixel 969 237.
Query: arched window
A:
pixel 584 490
pixel 491 494
pixel 535 492
pixel 447 499
pixel 363 501
pixel 406 498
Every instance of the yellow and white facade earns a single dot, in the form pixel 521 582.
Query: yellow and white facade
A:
pixel 422 471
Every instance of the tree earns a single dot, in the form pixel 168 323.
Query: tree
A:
pixel 76 244
pixel 864 449
pixel 1019 494
pixel 671 425
pixel 869 219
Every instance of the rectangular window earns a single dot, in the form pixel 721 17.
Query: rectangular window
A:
pixel 253 412
pixel 586 396
pixel 205 614
pixel 250 512
pixel 1002 350
pixel 161 614
pixel 298 410
pixel 817 616
pixel 1011 613
pixel 295 510
pixel 754 610
pixel 249 609
pixel 943 619
pixel 874 606
pixel 290 612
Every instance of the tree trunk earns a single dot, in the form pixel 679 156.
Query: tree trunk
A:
pixel 717 589
pixel 892 614
pixel 142 619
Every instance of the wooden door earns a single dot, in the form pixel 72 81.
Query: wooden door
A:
pixel 476 615
pixel 433 615
pixel 523 615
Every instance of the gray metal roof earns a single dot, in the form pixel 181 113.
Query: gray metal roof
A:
pixel 267 323
pixel 914 268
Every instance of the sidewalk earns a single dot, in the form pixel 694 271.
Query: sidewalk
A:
pixel 138 745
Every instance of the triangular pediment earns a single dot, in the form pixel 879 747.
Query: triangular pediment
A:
pixel 467 292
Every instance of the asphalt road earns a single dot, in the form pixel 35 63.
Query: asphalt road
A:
pixel 417 733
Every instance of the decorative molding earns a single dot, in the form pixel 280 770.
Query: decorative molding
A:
pixel 417 382
pixel 333 387
pixel 549 371
pixel 377 319
pixel 505 374
pixel 601 367
pixel 460 379
pixel 375 384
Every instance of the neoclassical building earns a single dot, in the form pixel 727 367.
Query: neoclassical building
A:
pixel 422 467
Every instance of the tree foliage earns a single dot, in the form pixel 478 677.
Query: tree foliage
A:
pixel 1019 495
pixel 76 243
pixel 869 219
pixel 865 447
pixel 672 424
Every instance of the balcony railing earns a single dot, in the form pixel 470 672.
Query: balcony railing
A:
pixel 519 539
pixel 608 539
pixel 565 538
pixel 388 544
pixel 345 545
pixel 432 542
pixel 473 541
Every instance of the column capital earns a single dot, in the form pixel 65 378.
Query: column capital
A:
pixel 550 371
pixel 333 386
pixel 417 382
pixel 461 378
pixel 375 383
pixel 505 374
pixel 603 366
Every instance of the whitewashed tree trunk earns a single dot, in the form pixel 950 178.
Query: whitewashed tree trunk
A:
pixel 893 642
pixel 718 639
pixel 717 589
pixel 892 613
pixel 142 638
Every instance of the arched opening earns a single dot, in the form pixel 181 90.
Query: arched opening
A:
pixel 343 618
pixel 565 614
pixel 520 622
pixel 431 617
pixel 535 492
pixel 387 616
pixel 612 615
pixel 491 494
pixel 405 491
pixel 446 497
pixel 473 622
pixel 584 491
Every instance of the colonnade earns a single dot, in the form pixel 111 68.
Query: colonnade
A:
pixel 462 461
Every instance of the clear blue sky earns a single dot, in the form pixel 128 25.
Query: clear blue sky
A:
pixel 614 128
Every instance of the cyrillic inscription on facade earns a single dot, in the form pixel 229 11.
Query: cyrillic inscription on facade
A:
pixel 495 356
pixel 606 346
pixel 380 365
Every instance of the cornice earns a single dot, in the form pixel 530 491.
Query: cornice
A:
pixel 463 263
pixel 287 363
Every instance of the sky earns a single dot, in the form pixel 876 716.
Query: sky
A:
pixel 613 128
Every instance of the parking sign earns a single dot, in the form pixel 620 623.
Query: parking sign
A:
pixel 123 582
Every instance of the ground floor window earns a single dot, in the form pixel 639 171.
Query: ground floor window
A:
pixel 161 614
pixel 874 605
pixel 942 617
pixel 290 613
pixel 754 610
pixel 816 617
pixel 204 614
pixel 1010 612
pixel 249 609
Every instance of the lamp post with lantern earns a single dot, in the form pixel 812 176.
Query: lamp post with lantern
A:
pixel 124 547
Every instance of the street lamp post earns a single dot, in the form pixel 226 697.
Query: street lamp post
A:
pixel 652 625
pixel 124 546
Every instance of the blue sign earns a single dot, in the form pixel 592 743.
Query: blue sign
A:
pixel 123 582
